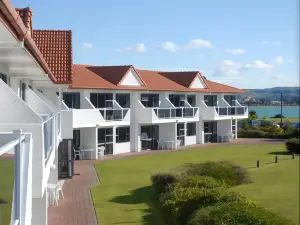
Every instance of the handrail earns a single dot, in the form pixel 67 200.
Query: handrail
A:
pixel 203 101
pixel 89 102
pixel 236 101
pixel 168 100
pixel 228 105
pixel 8 146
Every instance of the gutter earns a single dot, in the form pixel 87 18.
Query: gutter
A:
pixel 22 34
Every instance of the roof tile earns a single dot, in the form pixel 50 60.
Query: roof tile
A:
pixel 108 77
pixel 56 47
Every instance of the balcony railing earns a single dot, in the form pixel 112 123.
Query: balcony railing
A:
pixel 170 113
pixel 22 146
pixel 113 114
pixel 231 111
pixel 51 128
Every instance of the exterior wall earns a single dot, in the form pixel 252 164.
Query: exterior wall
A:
pixel 191 140
pixel 89 140
pixel 122 148
pixel 40 210
pixel 224 127
pixel 167 132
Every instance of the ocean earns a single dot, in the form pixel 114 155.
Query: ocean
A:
pixel 270 111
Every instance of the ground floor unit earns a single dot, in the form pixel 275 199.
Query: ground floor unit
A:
pixel 89 141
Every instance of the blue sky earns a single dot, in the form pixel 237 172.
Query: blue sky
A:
pixel 248 44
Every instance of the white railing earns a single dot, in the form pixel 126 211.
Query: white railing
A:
pixel 21 213
pixel 51 129
pixel 226 110
pixel 177 112
pixel 115 113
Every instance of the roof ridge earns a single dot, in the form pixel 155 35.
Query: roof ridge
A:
pixel 52 30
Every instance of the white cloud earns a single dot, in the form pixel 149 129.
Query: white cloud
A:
pixel 237 51
pixel 169 46
pixel 258 64
pixel 278 60
pixel 227 68
pixel 277 43
pixel 87 45
pixel 193 44
pixel 137 48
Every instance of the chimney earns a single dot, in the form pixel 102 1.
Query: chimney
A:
pixel 26 15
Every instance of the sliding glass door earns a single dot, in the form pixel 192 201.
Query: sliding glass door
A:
pixel 105 138
pixel 72 99
pixel 181 133
pixel 210 132
pixel 149 137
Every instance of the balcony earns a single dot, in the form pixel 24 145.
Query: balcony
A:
pixel 91 116
pixel 164 115
pixel 223 111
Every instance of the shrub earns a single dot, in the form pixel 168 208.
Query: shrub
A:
pixel 236 213
pixel 251 133
pixel 293 145
pixel 161 182
pixel 201 182
pixel 181 202
pixel 222 171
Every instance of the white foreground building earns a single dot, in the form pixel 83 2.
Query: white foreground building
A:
pixel 48 107
pixel 31 75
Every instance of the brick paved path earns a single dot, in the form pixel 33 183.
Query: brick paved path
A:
pixel 77 207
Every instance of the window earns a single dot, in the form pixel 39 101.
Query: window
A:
pixel 180 129
pixel 123 100
pixel 192 100
pixel 123 134
pixel 5 79
pixel 22 90
pixel 190 129
pixel 150 100
pixel 211 100
pixel 230 99
pixel 72 100
pixel 102 100
pixel 177 100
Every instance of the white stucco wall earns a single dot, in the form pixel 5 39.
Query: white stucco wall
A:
pixel 224 127
pixel 190 140
pixel 89 140
pixel 167 132
pixel 122 147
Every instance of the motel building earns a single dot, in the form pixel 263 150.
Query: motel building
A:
pixel 52 111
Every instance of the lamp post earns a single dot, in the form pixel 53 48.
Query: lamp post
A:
pixel 281 109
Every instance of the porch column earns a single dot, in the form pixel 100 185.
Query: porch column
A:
pixel 40 210
pixel 199 132
pixel 96 143
pixel 185 132
pixel 236 133
pixel 114 139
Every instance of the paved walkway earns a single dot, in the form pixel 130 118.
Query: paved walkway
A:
pixel 77 206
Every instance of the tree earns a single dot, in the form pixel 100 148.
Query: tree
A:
pixel 252 115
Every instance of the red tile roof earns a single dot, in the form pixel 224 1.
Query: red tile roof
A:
pixel 109 77
pixel 56 47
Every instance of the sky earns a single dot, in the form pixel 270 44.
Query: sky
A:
pixel 247 44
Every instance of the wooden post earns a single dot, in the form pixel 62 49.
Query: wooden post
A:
pixel 276 159
pixel 293 155
pixel 257 163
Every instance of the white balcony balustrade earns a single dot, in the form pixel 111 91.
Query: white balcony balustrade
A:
pixel 223 111
pixel 21 145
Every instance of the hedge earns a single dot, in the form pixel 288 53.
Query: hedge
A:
pixel 236 213
pixel 293 145
pixel 181 202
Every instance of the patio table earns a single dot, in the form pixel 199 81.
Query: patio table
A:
pixel 169 142
pixel 87 153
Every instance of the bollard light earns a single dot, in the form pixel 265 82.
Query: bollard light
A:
pixel 257 163
pixel 276 159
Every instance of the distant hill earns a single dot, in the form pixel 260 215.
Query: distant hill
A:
pixel 273 94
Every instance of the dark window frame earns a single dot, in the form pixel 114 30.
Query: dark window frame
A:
pixel 191 99
pixel 126 96
pixel 211 100
pixel 101 100
pixel 175 99
pixel 72 99
pixel 150 104
pixel 125 137
pixel 191 129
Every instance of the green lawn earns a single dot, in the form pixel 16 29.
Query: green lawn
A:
pixel 6 189
pixel 124 196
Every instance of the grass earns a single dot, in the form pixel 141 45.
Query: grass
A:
pixel 124 196
pixel 6 189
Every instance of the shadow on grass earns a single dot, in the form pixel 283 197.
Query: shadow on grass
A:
pixel 280 153
pixel 2 201
pixel 272 140
pixel 139 196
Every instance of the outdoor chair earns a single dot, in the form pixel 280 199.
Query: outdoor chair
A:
pixel 59 190
pixel 77 153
